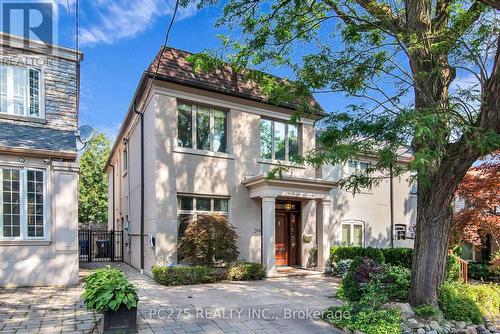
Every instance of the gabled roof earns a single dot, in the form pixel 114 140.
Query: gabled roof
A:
pixel 174 67
pixel 37 140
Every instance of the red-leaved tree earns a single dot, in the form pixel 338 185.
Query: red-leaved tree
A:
pixel 480 215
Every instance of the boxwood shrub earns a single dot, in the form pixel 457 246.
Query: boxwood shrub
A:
pixel 401 257
pixel 182 275
pixel 338 253
pixel 246 271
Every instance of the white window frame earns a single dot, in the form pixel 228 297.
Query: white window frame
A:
pixel 27 101
pixel 287 141
pixel 23 191
pixel 400 228
pixel 211 123
pixel 358 165
pixel 353 223
pixel 125 161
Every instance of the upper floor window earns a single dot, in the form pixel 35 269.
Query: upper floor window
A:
pixel 400 231
pixel 201 127
pixel 278 140
pixel 22 203
pixel 355 165
pixel 20 91
pixel 414 184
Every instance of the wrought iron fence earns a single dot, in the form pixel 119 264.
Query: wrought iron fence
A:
pixel 100 245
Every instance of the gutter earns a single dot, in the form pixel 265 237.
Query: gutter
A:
pixel 391 203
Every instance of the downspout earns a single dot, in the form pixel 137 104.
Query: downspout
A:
pixel 391 204
pixel 113 191
pixel 141 115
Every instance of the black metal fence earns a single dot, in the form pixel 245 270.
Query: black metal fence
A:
pixel 100 245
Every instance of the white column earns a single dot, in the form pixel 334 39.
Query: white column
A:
pixel 268 227
pixel 325 228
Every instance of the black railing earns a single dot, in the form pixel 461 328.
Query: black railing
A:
pixel 100 245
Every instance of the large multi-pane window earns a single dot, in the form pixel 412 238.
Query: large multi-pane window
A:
pixel 189 207
pixel 352 233
pixel 22 203
pixel 278 140
pixel 201 127
pixel 357 166
pixel 20 91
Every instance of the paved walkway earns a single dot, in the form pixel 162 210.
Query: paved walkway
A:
pixel 282 305
pixel 44 310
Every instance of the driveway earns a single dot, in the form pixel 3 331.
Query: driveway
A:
pixel 281 305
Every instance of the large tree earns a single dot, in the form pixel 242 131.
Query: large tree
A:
pixel 480 216
pixel 419 74
pixel 93 183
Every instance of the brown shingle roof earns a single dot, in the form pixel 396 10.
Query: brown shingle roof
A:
pixel 175 68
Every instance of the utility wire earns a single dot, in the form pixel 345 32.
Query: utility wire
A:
pixel 164 46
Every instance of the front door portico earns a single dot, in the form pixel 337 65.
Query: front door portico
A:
pixel 287 238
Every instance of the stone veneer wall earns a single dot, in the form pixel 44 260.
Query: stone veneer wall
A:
pixel 60 87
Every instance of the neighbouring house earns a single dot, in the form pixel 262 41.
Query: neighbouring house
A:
pixel 38 163
pixel 204 143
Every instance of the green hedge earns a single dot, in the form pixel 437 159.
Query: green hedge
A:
pixel 470 302
pixel 246 271
pixel 338 253
pixel 401 257
pixel 182 275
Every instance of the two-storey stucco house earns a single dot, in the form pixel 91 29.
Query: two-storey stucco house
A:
pixel 38 163
pixel 204 143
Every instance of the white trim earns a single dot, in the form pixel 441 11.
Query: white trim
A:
pixel 279 163
pixel 226 104
pixel 188 150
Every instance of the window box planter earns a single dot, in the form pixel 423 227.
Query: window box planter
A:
pixel 122 320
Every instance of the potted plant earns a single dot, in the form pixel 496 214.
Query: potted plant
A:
pixel 108 291
pixel 313 257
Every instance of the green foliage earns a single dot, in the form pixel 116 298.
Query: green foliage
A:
pixel 365 319
pixel 470 303
pixel 452 268
pixel 401 257
pixel 182 275
pixel 480 271
pixel 342 267
pixel 108 289
pixel 338 253
pixel 246 271
pixel 427 311
pixel 208 240
pixel 93 182
pixel 396 282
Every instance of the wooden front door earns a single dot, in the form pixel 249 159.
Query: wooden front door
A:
pixel 281 232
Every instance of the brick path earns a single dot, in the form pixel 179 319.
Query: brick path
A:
pixel 44 310
pixel 192 309
pixel 270 306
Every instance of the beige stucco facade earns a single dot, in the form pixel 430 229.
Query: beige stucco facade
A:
pixel 239 175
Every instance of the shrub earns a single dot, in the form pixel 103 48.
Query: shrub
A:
pixel 343 267
pixel 427 311
pixel 401 257
pixel 396 282
pixel 246 272
pixel 469 303
pixel 182 275
pixel 338 253
pixel 207 240
pixel 452 268
pixel 108 289
pixel 365 319
pixel 361 271
pixel 480 271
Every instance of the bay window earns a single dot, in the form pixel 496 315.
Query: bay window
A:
pixel 20 91
pixel 201 127
pixel 22 203
pixel 278 140
pixel 352 234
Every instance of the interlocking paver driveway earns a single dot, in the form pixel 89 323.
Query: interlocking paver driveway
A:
pixel 193 309
pixel 44 310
